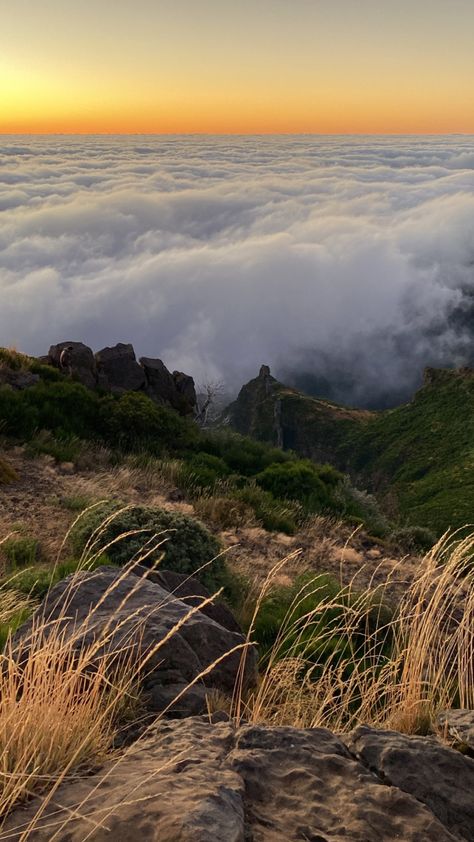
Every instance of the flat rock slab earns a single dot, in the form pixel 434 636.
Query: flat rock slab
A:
pixel 434 774
pixel 196 781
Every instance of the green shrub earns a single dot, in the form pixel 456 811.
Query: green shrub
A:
pixel 134 422
pixel 75 503
pixel 412 539
pixel 360 507
pixel 21 551
pixel 242 455
pixel 273 515
pixel 308 620
pixel 187 546
pixel 65 449
pixel 311 485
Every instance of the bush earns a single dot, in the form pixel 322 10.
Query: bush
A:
pixel 134 422
pixel 242 455
pixel 187 544
pixel 308 620
pixel 224 512
pixel 272 514
pixel 65 449
pixel 36 581
pixel 203 470
pixel 413 539
pixel 361 507
pixel 21 551
pixel 311 485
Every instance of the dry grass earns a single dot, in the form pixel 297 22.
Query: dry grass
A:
pixel 62 700
pixel 429 665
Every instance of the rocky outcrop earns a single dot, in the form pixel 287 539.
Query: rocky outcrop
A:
pixel 76 359
pixel 144 613
pixel 201 781
pixel 115 369
pixel 118 369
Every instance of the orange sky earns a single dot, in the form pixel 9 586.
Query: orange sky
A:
pixel 237 66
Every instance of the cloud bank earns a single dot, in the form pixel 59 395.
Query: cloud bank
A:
pixel 347 264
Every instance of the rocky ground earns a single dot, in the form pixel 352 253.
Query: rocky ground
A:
pixel 198 780
pixel 39 504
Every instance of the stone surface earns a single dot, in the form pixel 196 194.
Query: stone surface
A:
pixel 80 362
pixel 434 774
pixel 192 592
pixel 459 724
pixel 119 369
pixel 199 781
pixel 144 613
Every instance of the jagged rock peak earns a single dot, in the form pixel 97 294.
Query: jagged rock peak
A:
pixel 264 371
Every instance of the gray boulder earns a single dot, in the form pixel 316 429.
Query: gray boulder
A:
pixel 119 370
pixel 200 781
pixel 143 614
pixel 79 362
pixel 190 591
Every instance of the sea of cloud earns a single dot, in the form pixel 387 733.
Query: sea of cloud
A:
pixel 347 264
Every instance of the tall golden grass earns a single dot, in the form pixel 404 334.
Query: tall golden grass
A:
pixel 430 665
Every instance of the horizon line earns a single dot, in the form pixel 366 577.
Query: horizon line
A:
pixel 235 134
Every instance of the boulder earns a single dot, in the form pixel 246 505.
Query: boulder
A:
pixel 185 389
pixel 192 592
pixel 79 362
pixel 197 780
pixel 159 382
pixel 145 613
pixel 119 370
pixel 437 776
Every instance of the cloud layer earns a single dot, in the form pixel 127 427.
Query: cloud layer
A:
pixel 347 264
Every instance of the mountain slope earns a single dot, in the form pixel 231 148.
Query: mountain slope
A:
pixel 418 458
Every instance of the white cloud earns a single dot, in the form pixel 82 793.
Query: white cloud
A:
pixel 347 258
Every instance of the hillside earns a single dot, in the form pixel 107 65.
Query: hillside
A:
pixel 417 458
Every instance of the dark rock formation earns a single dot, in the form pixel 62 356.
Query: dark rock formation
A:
pixel 144 614
pixel 119 369
pixel 79 362
pixel 160 383
pixel 200 781
pixel 185 389
pixel 116 369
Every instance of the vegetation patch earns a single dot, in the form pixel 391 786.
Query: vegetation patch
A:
pixel 147 533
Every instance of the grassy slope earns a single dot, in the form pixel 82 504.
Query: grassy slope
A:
pixel 419 456
pixel 424 451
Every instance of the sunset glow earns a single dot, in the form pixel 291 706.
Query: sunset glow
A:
pixel 237 67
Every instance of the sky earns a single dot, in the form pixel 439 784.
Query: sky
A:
pixel 236 66
pixel 337 259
